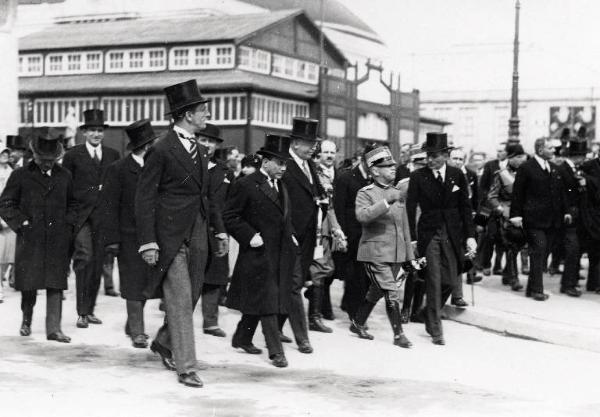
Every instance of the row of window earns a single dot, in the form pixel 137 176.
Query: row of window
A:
pixel 277 65
pixel 227 109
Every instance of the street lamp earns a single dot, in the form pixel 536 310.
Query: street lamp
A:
pixel 513 122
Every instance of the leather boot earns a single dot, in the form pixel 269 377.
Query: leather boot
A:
pixel 326 309
pixel 26 324
pixel 357 325
pixel 393 312
pixel 314 311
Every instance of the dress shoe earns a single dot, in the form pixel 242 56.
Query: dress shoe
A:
pixel 165 355
pixel 139 342
pixel 215 332
pixel 92 319
pixel 459 302
pixel 525 270
pixel 438 340
pixel 111 292
pixel 404 317
pixel 59 337
pixel 418 317
pixel 506 280
pixel 82 322
pixel 476 278
pixel 279 360
pixel 249 348
pixel 328 315
pixel 497 271
pixel 191 379
pixel 516 285
pixel 316 325
pixel 402 341
pixel 539 296
pixel 553 271
pixel 360 331
pixel 487 272
pixel 25 329
pixel 284 339
pixel 305 347
pixel 572 292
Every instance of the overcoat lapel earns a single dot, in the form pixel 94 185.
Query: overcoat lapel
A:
pixel 268 191
pixel 133 166
pixel 295 170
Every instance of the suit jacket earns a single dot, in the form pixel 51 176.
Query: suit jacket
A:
pixel 487 177
pixel 171 192
pixel 473 189
pixel 262 279
pixel 345 189
pixel 572 190
pixel 590 203
pixel 385 230
pixel 538 196
pixel 87 179
pixel 441 204
pixel 402 172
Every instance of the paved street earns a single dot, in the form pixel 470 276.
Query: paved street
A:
pixel 477 373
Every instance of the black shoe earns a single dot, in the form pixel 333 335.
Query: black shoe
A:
pixel 315 324
pixel 487 272
pixel 473 280
pixel 404 317
pixel 572 292
pixel 82 322
pixel 59 337
pixel 539 296
pixel 165 355
pixel 553 271
pixel 284 338
pixel 249 348
pixel 497 271
pixel 111 292
pixel 139 342
pixel 305 347
pixel 279 360
pixel 92 319
pixel 438 340
pixel 360 331
pixel 191 379
pixel 516 285
pixel 402 341
pixel 418 317
pixel 459 302
pixel 328 315
pixel 506 280
pixel 215 332
pixel 25 329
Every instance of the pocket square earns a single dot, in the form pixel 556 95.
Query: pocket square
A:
pixel 455 188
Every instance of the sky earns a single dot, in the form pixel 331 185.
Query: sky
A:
pixel 459 45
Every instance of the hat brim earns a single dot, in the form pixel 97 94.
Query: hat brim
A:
pixel 307 139
pixel 85 126
pixel 385 164
pixel 131 148
pixel 270 154
pixel 429 150
pixel 198 100
pixel 60 151
pixel 217 138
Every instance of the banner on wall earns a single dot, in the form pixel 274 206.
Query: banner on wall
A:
pixel 568 121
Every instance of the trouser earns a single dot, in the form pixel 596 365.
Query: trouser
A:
pixel 321 270
pixel 539 240
pixel 441 272
pixel 135 317
pixel 557 249
pixel 53 308
pixel 182 286
pixel 88 259
pixel 489 239
pixel 572 255
pixel 356 282
pixel 593 251
pixel 414 291
pixel 296 311
pixel 107 271
pixel 269 323
pixel 510 273
pixel 210 305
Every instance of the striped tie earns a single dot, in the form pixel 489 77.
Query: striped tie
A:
pixel 193 146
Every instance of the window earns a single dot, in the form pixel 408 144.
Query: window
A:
pixel 255 60
pixel 74 62
pixel 202 57
pixel 30 65
pixel 224 56
pixel 51 111
pixel 157 59
pixel 227 108
pixel 56 64
pixel 136 60
pixel 295 69
pixel 275 112
pixel 115 60
pixel 181 57
pixel 93 61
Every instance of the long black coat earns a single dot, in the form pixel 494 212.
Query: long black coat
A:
pixel 220 179
pixel 345 188
pixel 538 197
pixel 440 204
pixel 171 192
pixel 87 179
pixel 43 246
pixel 119 190
pixel 572 190
pixel 590 202
pixel 262 277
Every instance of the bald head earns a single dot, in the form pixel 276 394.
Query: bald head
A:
pixel 328 151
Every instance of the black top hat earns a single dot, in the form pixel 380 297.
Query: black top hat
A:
pixel 16 142
pixel 93 118
pixel 183 95
pixel 276 146
pixel 47 143
pixel 211 131
pixel 436 142
pixel 565 133
pixel 251 160
pixel 582 132
pixel 577 147
pixel 514 149
pixel 305 129
pixel 140 133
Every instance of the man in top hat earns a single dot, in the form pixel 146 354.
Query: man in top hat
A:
pixel 538 205
pixel 18 147
pixel 574 186
pixel 385 243
pixel 88 163
pixel 39 205
pixel 217 275
pixel 171 210
pixel 258 215
pixel 119 227
pixel 305 190
pixel 445 226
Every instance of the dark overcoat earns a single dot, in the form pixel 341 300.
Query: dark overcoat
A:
pixel 262 278
pixel 119 190
pixel 43 246
pixel 590 202
pixel 171 192
pixel 441 204
pixel 345 188
pixel 87 180
pixel 220 178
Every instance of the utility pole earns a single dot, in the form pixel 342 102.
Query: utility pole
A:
pixel 513 123
pixel 9 94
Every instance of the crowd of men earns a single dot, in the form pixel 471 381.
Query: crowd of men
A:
pixel 172 208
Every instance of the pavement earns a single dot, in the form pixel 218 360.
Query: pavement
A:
pixel 561 320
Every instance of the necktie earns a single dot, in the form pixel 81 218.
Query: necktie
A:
pixel 193 151
pixel 306 171
pixel 439 177
pixel 96 158
pixel 273 184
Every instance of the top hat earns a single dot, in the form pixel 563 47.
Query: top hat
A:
pixel 582 132
pixel 16 142
pixel 565 134
pixel 93 118
pixel 276 146
pixel 212 132
pixel 47 143
pixel 514 149
pixel 221 154
pixel 183 95
pixel 380 157
pixel 251 160
pixel 305 129
pixel 436 142
pixel 577 147
pixel 140 133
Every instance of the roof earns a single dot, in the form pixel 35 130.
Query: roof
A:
pixel 155 82
pixel 153 31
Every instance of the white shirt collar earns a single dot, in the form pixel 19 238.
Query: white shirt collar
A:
pixel 503 164
pixel 296 158
pixel 138 159
pixel 543 163
pixel 187 135
pixel 91 149
pixel 442 172
pixel 272 182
